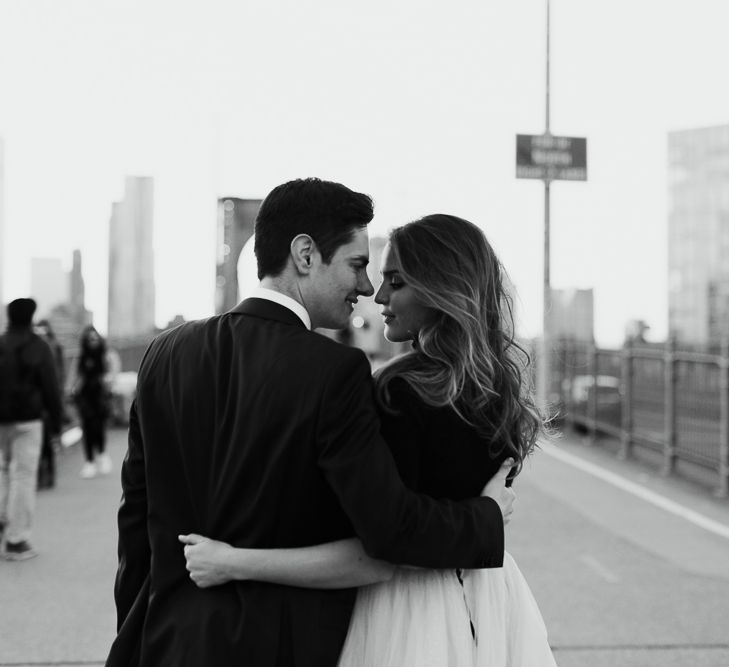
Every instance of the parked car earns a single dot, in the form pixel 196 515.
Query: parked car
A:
pixel 580 386
pixel 581 389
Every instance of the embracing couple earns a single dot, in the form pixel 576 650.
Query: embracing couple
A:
pixel 329 518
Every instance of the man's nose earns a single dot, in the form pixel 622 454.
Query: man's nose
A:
pixel 365 287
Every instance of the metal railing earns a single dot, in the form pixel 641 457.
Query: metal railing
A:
pixel 672 401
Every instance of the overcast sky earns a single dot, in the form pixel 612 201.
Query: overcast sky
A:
pixel 415 102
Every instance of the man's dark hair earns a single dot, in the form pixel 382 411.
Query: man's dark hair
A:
pixel 20 312
pixel 328 212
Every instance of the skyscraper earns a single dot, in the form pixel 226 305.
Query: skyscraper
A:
pixel 131 261
pixel 236 219
pixel 698 234
pixel 77 290
pixel 70 317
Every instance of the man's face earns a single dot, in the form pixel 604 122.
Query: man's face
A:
pixel 334 288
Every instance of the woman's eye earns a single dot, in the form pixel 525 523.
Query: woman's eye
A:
pixel 396 284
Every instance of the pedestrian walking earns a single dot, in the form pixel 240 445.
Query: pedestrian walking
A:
pixel 28 389
pixel 47 464
pixel 91 395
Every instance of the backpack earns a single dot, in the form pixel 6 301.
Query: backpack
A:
pixel 17 384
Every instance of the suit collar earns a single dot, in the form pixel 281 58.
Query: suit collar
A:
pixel 268 310
pixel 283 300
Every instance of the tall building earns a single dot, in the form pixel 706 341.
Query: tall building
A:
pixel 2 235
pixel 572 315
pixel 131 261
pixel 48 284
pixel 68 316
pixel 698 234
pixel 75 308
pixel 236 220
pixel 76 287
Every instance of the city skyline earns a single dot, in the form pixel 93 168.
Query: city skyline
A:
pixel 132 294
pixel 417 104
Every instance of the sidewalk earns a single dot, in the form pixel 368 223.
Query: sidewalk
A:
pixel 58 609
pixel 690 484
pixel 620 581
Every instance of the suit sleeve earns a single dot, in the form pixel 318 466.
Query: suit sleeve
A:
pixel 133 550
pixel 394 523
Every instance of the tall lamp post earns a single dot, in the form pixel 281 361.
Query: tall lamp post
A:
pixel 544 373
pixel 548 158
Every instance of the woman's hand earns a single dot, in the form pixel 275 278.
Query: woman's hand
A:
pixel 207 560
pixel 340 564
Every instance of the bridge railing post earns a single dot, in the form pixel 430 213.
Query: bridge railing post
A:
pixel 626 401
pixel 722 490
pixel 669 407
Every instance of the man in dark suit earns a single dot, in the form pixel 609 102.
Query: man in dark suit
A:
pixel 253 429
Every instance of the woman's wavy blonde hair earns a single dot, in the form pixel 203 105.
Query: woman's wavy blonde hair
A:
pixel 466 357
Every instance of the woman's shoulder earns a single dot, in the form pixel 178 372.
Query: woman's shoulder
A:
pixel 400 394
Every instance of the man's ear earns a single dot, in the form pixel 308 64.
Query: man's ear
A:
pixel 302 252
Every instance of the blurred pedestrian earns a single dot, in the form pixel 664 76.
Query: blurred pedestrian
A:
pixel 47 465
pixel 91 395
pixel 28 389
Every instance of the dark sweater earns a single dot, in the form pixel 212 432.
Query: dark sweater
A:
pixel 28 386
pixel 436 452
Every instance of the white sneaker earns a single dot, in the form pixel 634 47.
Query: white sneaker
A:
pixel 103 461
pixel 88 471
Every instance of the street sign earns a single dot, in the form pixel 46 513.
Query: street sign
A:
pixel 547 157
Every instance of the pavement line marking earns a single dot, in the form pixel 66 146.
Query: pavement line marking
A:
pixel 599 568
pixel 641 492
pixel 636 647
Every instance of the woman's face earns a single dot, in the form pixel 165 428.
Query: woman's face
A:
pixel 93 339
pixel 404 314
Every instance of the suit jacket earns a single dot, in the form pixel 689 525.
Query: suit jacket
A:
pixel 251 429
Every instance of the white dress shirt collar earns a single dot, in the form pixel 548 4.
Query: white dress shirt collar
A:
pixel 283 300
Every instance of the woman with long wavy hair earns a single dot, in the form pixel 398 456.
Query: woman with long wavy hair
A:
pixel 453 409
pixel 91 395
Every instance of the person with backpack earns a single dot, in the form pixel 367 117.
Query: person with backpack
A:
pixel 28 390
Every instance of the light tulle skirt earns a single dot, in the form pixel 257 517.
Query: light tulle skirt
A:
pixel 426 618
